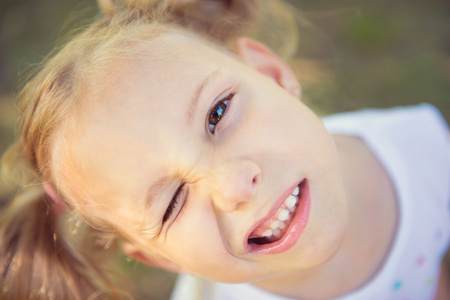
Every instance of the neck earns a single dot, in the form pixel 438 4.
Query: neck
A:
pixel 370 198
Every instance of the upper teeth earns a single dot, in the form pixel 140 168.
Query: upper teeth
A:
pixel 290 201
pixel 275 224
pixel 284 215
pixel 267 233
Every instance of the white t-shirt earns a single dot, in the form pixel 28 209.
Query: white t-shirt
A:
pixel 412 144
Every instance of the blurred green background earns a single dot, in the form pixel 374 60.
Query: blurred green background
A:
pixel 353 54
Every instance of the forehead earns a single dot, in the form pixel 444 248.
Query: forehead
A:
pixel 140 114
pixel 175 54
pixel 171 65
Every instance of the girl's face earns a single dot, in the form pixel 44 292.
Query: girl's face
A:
pixel 211 149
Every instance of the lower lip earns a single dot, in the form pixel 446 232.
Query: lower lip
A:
pixel 294 231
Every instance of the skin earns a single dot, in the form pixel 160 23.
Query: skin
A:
pixel 269 141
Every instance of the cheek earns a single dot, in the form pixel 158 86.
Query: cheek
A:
pixel 288 129
pixel 194 240
pixel 197 245
pixel 328 220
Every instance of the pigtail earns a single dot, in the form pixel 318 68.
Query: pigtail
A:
pixel 108 7
pixel 273 22
pixel 220 20
pixel 37 261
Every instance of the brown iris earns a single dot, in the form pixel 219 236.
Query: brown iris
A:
pixel 217 113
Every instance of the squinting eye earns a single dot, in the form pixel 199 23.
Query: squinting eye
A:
pixel 217 112
pixel 173 203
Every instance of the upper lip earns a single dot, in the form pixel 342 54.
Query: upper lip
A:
pixel 272 210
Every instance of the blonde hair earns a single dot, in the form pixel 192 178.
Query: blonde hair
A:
pixel 38 258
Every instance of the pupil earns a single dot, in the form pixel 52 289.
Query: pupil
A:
pixel 217 114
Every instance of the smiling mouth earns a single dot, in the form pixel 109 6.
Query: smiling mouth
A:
pixel 274 228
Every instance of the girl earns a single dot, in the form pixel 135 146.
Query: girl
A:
pixel 204 162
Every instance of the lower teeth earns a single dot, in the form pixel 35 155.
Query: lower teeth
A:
pixel 275 236
pixel 279 231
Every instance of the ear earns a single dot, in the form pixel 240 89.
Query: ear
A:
pixel 265 61
pixel 57 205
pixel 159 262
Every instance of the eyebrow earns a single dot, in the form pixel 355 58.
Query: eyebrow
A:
pixel 193 103
pixel 160 185
pixel 155 190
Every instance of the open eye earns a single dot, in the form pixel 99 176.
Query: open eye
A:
pixel 217 112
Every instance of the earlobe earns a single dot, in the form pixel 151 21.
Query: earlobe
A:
pixel 261 58
pixel 153 261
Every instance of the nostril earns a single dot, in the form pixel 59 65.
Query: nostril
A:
pixel 255 180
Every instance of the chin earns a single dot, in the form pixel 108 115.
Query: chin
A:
pixel 324 250
pixel 320 245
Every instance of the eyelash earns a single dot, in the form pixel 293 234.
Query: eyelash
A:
pixel 173 203
pixel 226 101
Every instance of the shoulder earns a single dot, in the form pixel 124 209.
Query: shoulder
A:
pixel 412 139
pixel 189 287
pixel 397 120
pixel 185 288
pixel 412 146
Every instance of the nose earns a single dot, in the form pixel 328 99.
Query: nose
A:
pixel 235 184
